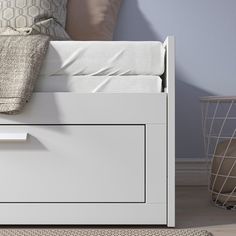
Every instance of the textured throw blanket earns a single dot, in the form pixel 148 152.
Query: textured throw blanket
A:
pixel 21 57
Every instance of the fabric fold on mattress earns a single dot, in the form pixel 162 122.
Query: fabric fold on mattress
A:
pixel 104 58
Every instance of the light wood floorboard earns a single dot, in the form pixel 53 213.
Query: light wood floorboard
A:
pixel 194 210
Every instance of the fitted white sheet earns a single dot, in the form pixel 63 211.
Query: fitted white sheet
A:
pixel 110 67
pixel 95 84
pixel 104 58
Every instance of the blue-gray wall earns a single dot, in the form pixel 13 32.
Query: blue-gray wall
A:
pixel 205 32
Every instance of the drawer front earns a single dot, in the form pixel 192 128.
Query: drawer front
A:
pixel 72 163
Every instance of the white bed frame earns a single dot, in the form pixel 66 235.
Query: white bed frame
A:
pixel 58 174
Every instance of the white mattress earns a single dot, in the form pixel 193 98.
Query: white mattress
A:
pixel 96 84
pixel 89 67
pixel 104 58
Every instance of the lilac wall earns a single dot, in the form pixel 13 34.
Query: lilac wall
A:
pixel 205 32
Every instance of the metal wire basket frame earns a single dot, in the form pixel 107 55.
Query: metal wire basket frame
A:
pixel 219 126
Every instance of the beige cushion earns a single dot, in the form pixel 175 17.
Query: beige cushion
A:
pixel 92 19
pixel 41 16
pixel 224 184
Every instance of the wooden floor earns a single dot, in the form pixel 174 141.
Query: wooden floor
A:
pixel 194 210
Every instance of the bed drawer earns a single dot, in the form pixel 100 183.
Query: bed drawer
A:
pixel 72 163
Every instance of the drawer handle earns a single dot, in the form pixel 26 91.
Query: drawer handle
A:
pixel 13 137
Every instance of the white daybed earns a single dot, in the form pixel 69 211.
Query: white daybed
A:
pixel 96 144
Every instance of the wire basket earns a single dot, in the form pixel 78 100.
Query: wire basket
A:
pixel 219 131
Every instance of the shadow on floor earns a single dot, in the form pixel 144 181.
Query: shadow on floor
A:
pixel 194 210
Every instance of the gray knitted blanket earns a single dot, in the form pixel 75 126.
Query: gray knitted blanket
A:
pixel 21 58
